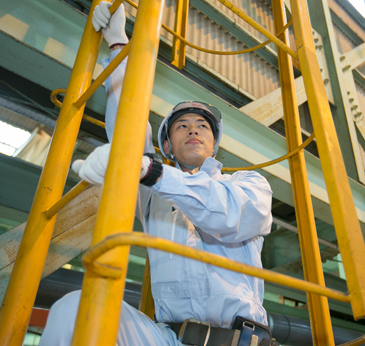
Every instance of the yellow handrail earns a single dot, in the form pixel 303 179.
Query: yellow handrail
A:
pixel 89 260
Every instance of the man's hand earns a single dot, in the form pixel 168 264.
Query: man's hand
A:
pixel 93 168
pixel 113 26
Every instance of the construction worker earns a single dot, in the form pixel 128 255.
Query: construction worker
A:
pixel 193 204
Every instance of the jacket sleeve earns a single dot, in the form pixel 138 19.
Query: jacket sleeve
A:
pixel 231 210
pixel 113 88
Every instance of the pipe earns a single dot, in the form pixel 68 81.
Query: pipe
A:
pixel 294 331
pixel 294 229
pixel 64 281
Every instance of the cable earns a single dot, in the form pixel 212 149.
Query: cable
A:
pixel 215 51
pixel 34 103
pixel 269 163
pixel 225 169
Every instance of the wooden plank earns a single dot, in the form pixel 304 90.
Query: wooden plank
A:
pixel 72 236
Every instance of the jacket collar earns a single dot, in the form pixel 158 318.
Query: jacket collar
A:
pixel 211 166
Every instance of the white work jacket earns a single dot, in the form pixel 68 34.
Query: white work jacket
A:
pixel 222 214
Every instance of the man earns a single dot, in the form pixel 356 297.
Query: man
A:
pixel 192 204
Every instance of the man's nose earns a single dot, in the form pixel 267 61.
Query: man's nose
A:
pixel 193 130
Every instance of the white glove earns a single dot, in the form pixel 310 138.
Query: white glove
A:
pixel 146 163
pixel 113 31
pixel 93 168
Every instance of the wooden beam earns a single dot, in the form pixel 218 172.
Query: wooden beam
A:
pixel 71 236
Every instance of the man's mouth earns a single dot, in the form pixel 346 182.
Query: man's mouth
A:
pixel 193 141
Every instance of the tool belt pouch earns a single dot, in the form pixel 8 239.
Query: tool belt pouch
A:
pixel 248 328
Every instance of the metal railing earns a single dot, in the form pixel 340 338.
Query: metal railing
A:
pixel 106 262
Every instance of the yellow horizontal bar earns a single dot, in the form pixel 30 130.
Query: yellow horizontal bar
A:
pixel 145 240
pixel 217 52
pixel 93 121
pixel 103 76
pixel 269 163
pixel 115 6
pixel 68 197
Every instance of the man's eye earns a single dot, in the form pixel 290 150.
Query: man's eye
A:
pixel 204 126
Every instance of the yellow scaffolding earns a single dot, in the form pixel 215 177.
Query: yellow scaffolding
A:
pixel 106 261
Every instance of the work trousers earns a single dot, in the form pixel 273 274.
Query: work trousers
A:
pixel 135 328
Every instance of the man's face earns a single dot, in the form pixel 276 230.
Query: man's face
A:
pixel 192 139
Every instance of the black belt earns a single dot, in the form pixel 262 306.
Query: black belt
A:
pixel 198 333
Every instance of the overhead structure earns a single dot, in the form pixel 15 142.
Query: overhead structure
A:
pixel 106 262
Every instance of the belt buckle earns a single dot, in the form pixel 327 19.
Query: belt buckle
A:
pixel 193 320
pixel 248 322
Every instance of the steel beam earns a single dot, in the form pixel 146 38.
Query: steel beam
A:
pixel 342 114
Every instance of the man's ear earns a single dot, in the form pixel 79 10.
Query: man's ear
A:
pixel 166 146
pixel 215 141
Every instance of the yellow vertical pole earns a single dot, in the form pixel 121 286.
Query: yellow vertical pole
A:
pixel 181 22
pixel 20 295
pixel 349 236
pixel 312 266
pixel 101 298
